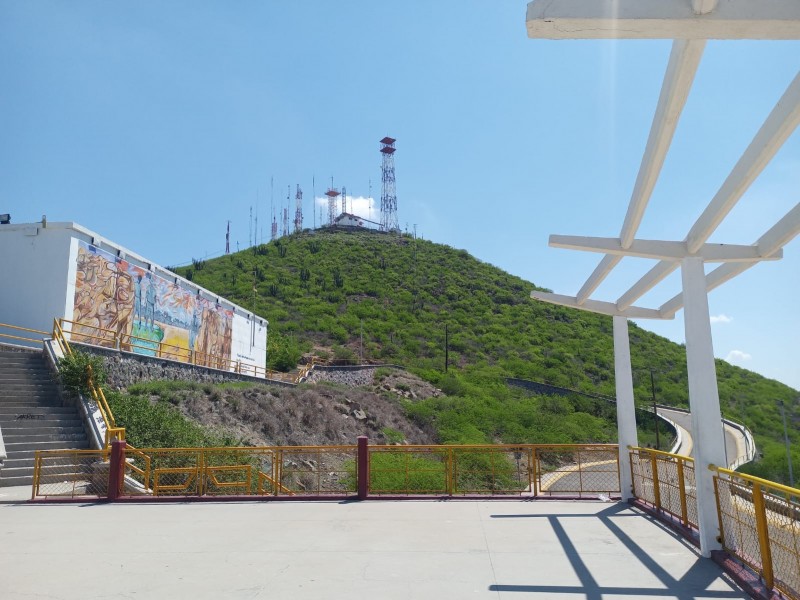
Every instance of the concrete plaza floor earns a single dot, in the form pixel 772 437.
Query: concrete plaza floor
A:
pixel 378 550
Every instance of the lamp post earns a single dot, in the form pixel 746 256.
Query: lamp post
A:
pixel 788 444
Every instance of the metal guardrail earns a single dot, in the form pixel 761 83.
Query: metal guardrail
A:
pixel 759 520
pixel 95 391
pixel 759 523
pixel 666 482
pixel 39 335
pixel 329 471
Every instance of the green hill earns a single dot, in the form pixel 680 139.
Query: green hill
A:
pixel 320 290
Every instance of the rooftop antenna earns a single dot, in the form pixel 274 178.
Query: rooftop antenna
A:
pixel 298 210
pixel 228 239
pixel 332 194
pixel 388 194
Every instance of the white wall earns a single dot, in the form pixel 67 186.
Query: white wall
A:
pixel 34 264
pixel 249 343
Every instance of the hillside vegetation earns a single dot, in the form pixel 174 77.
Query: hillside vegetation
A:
pixel 320 290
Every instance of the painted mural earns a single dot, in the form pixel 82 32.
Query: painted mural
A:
pixel 119 302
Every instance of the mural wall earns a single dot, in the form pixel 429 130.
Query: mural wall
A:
pixel 119 302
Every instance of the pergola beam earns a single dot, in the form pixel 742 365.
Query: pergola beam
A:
pixel 777 128
pixel 664 250
pixel 596 306
pixel 664 19
pixel 780 234
pixel 684 59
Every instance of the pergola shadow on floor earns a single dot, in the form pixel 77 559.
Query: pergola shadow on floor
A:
pixel 298 550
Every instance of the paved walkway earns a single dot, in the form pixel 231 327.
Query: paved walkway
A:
pixel 735 445
pixel 373 550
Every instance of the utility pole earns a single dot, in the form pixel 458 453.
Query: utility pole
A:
pixel 788 444
pixel 446 348
pixel 655 410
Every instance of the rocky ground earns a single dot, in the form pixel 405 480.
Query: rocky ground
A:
pixel 335 407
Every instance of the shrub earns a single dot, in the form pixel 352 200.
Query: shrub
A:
pixel 74 370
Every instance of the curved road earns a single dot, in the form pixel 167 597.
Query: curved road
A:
pixel 735 446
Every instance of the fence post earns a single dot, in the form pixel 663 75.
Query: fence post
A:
pixel 763 536
pixel 116 469
pixel 682 490
pixel 362 468
pixel 656 486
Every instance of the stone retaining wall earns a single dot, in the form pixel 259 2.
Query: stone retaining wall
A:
pixel 125 368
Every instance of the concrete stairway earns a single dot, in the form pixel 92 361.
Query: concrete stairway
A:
pixel 32 416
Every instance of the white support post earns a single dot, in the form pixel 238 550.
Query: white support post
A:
pixel 707 431
pixel 626 410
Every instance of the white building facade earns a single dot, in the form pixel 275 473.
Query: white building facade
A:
pixel 113 297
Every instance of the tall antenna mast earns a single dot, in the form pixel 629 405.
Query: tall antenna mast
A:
pixel 314 201
pixel 344 199
pixel 389 194
pixel 332 194
pixel 298 210
pixel 286 211
pixel 228 239
pixel 274 232
pixel 250 234
pixel 256 230
pixel 370 199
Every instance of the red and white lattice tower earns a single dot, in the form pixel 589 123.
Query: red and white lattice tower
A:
pixel 332 195
pixel 298 210
pixel 389 220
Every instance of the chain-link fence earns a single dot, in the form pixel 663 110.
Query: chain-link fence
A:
pixel 760 525
pixel 71 474
pixel 665 481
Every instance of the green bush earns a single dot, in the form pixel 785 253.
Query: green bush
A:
pixel 75 371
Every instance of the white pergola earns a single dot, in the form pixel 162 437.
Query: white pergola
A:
pixel 689 23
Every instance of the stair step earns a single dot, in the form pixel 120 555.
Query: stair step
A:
pixel 47 445
pixel 22 410
pixel 29 459
pixel 11 440
pixel 15 481
pixel 9 433
pixel 67 421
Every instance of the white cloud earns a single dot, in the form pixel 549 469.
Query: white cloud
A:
pixel 721 319
pixel 362 206
pixel 735 356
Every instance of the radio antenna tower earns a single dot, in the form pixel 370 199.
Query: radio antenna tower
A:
pixel 389 194
pixel 298 210
pixel 250 234
pixel 332 194
pixel 286 211
pixel 228 239
pixel 344 199
pixel 274 231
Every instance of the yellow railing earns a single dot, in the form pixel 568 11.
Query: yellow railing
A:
pixel 666 481
pixel 759 523
pixel 324 471
pixel 95 391
pixel 22 338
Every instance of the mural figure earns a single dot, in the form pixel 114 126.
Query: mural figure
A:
pixel 117 302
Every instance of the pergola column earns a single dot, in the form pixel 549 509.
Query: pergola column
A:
pixel 626 410
pixel 707 430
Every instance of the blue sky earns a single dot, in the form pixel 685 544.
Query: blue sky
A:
pixel 154 123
